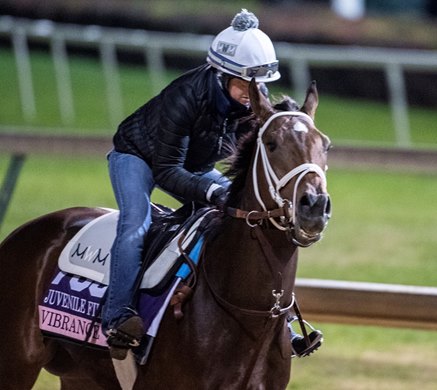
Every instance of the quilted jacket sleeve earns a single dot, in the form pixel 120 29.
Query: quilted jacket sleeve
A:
pixel 181 107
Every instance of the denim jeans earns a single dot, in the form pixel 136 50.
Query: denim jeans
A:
pixel 133 182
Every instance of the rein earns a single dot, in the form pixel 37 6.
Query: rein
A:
pixel 283 212
pixel 276 310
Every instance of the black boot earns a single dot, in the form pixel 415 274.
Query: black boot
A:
pixel 125 336
pixel 301 348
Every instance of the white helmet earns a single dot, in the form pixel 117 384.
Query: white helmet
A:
pixel 244 51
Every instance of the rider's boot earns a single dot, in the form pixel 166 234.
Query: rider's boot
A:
pixel 302 346
pixel 125 336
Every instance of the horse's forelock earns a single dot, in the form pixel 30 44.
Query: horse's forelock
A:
pixel 286 104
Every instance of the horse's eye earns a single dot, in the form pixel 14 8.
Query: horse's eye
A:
pixel 271 146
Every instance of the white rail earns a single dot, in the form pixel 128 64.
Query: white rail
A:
pixel 296 58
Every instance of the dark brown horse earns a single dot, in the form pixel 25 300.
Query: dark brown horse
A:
pixel 233 334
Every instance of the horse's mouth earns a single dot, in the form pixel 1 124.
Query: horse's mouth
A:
pixel 302 237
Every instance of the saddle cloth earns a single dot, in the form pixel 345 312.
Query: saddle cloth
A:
pixel 70 308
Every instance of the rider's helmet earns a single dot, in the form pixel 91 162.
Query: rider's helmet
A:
pixel 242 50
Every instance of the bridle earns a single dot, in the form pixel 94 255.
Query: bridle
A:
pixel 274 183
pixel 283 212
pixel 286 211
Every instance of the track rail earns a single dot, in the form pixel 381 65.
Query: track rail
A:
pixel 368 303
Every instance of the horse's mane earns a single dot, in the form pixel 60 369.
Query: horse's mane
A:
pixel 239 162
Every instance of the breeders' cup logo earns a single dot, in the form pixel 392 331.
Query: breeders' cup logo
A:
pixel 228 49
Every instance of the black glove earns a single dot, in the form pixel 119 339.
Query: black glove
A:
pixel 218 197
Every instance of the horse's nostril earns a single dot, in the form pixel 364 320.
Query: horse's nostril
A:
pixel 308 200
pixel 315 204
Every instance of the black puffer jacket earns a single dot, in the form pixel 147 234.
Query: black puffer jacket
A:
pixel 183 131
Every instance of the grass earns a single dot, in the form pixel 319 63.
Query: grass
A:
pixel 382 230
pixel 368 358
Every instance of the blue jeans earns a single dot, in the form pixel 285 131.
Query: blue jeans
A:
pixel 133 182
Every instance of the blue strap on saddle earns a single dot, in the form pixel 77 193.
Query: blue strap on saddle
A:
pixel 184 270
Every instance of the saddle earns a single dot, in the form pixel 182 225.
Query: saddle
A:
pixel 172 232
pixel 70 308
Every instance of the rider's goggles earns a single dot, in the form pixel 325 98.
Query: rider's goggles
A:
pixel 260 70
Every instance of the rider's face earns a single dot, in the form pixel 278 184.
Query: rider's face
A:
pixel 239 90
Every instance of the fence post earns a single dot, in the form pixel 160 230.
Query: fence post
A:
pixel 25 82
pixel 9 182
pixel 113 88
pixel 63 79
pixel 399 105
pixel 155 62
pixel 300 77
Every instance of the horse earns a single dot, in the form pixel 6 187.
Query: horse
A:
pixel 233 334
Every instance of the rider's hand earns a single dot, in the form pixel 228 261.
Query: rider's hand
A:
pixel 218 197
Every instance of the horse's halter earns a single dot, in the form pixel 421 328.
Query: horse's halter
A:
pixel 276 184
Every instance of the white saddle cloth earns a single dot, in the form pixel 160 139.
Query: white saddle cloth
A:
pixel 88 253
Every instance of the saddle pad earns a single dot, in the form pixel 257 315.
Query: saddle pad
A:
pixel 70 309
pixel 71 306
pixel 88 253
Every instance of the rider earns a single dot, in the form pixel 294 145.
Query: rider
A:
pixel 173 141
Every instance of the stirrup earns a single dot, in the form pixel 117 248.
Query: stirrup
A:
pixel 120 339
pixel 308 342
pixel 302 346
pixel 125 336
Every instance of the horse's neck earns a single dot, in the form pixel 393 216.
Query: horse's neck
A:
pixel 239 268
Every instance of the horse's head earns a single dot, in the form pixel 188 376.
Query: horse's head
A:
pixel 289 166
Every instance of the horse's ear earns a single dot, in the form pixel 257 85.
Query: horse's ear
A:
pixel 311 100
pixel 259 103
